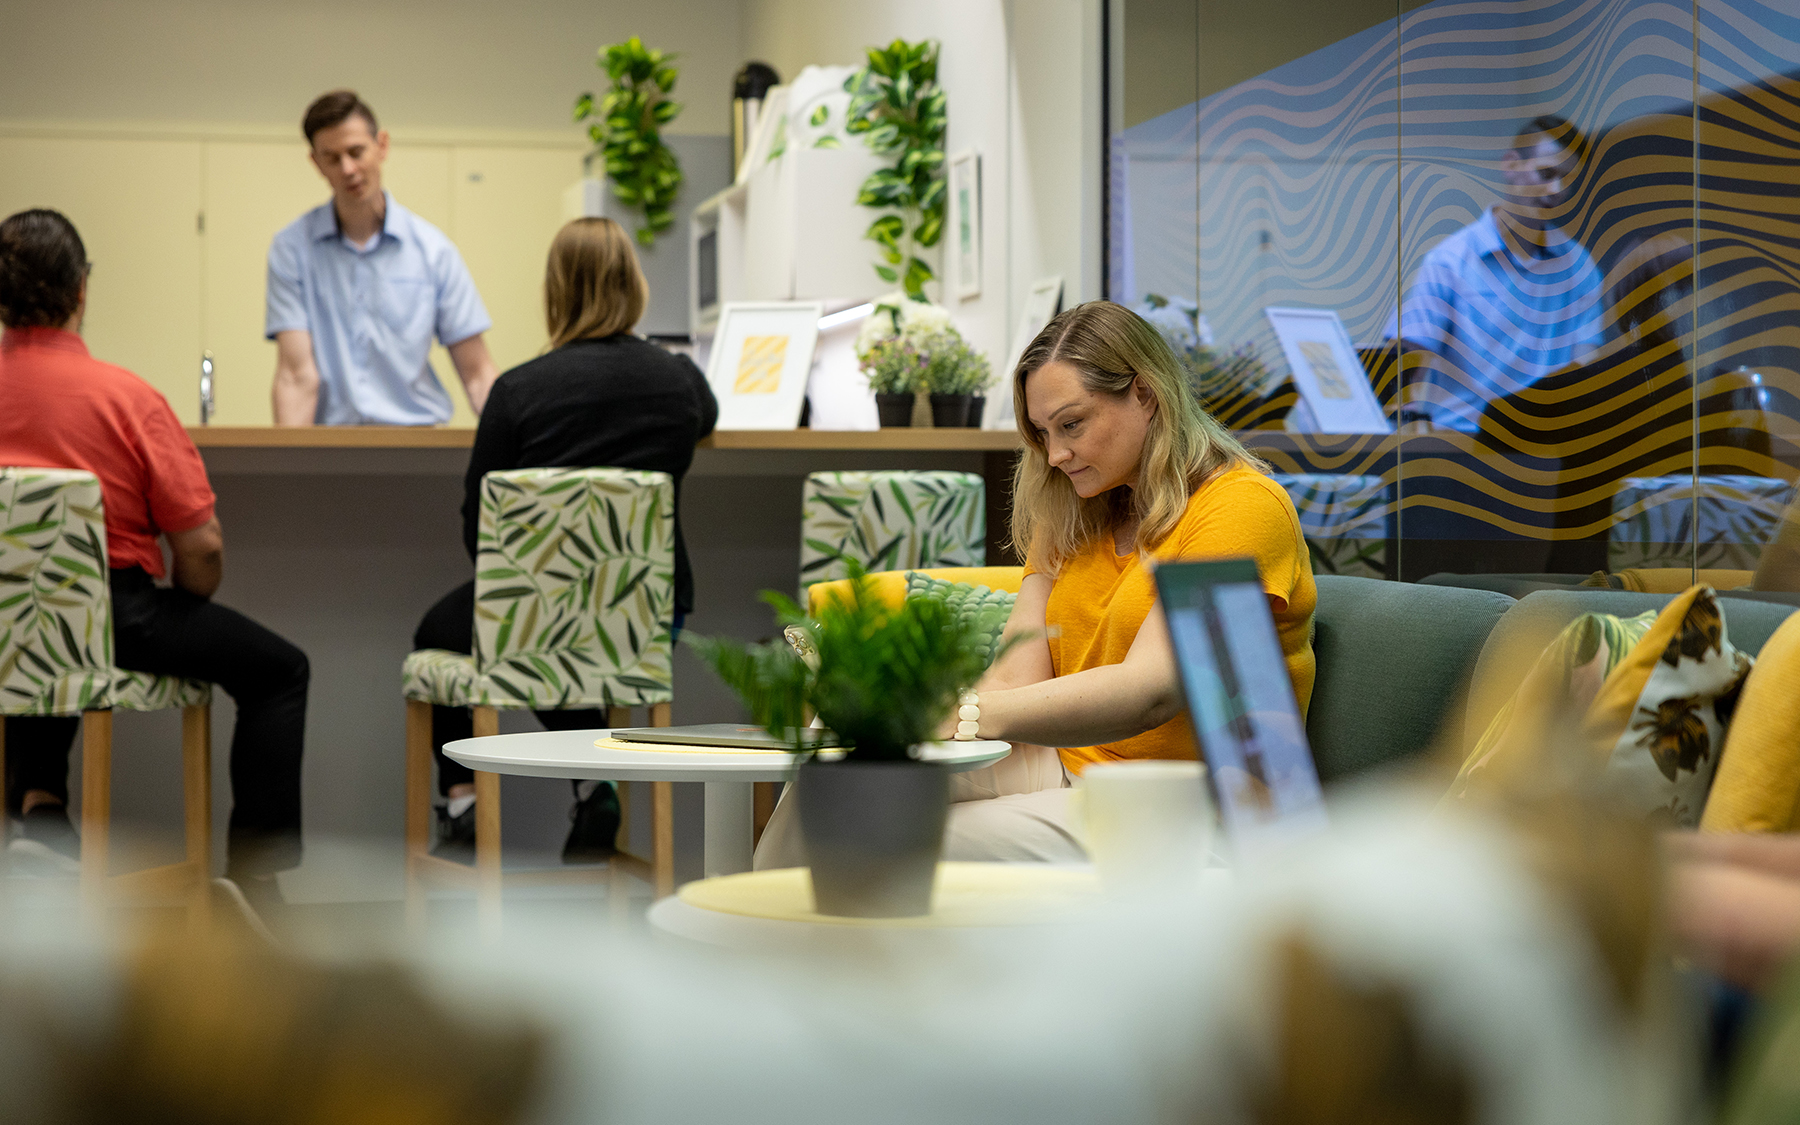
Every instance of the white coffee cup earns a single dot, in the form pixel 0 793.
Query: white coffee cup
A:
pixel 1148 824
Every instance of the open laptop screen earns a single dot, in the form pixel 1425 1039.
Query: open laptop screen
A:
pixel 1240 699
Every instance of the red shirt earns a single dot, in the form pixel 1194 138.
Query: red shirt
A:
pixel 62 409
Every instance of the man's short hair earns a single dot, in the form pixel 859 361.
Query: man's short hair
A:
pixel 1558 129
pixel 42 264
pixel 334 109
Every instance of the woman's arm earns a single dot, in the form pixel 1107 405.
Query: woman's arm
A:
pixel 1028 660
pixel 1098 705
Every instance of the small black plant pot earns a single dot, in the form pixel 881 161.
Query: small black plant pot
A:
pixel 950 411
pixel 976 403
pixel 873 833
pixel 895 409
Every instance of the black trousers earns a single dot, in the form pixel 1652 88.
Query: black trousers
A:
pixel 171 632
pixel 450 625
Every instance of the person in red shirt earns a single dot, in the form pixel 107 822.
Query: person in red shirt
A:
pixel 65 409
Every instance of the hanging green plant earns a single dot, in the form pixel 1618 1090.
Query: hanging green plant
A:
pixel 898 109
pixel 626 125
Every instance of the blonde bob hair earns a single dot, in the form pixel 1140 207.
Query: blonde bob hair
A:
pixel 593 285
pixel 1113 348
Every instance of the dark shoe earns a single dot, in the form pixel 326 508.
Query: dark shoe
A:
pixel 595 826
pixel 455 835
pixel 46 842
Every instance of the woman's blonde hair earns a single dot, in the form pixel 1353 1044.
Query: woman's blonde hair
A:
pixel 1113 348
pixel 593 285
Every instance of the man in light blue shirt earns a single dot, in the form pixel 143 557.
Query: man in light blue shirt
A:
pixel 1510 297
pixel 359 286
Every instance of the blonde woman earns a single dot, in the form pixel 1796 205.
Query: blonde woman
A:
pixel 1120 467
pixel 598 396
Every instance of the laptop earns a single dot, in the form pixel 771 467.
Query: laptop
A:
pixel 731 736
pixel 1241 701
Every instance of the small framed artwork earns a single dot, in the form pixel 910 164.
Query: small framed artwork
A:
pixel 1327 372
pixel 965 223
pixel 761 357
pixel 1042 304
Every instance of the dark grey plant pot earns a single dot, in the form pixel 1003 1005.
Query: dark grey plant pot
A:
pixel 976 403
pixel 950 411
pixel 895 409
pixel 873 834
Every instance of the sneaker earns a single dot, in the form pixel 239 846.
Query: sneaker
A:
pixel 46 842
pixel 456 834
pixel 594 825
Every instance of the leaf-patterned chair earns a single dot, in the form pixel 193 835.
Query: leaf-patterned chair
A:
pixel 890 520
pixel 56 653
pixel 574 596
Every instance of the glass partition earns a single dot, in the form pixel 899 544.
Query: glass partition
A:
pixel 1555 240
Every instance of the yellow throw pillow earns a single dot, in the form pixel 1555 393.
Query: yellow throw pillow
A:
pixel 1655 697
pixel 1758 784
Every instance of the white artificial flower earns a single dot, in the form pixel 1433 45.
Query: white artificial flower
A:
pixel 895 313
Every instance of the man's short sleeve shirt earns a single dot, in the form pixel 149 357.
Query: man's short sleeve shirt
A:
pixel 67 410
pixel 372 312
pixel 1503 321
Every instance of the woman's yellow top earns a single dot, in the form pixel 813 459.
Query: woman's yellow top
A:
pixel 1101 598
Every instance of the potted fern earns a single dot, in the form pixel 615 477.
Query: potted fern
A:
pixel 882 678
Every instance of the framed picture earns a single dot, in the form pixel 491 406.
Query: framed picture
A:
pixel 761 356
pixel 1327 372
pixel 965 223
pixel 1042 303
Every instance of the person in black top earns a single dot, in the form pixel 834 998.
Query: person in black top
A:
pixel 598 397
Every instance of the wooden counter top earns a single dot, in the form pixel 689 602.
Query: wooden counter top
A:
pixel 440 437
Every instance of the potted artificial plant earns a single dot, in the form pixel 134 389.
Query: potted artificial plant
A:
pixel 882 678
pixel 895 368
pixel 955 374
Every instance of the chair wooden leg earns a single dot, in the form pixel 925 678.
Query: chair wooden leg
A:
pixel 661 714
pixel 5 862
pixel 487 832
pixel 96 803
pixel 196 792
pixel 418 807
pixel 662 836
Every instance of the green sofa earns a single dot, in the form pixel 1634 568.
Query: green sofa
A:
pixel 1396 659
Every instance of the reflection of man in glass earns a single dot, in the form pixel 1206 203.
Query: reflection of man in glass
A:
pixel 1510 297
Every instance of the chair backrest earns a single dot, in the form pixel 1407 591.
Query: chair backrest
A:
pixel 1516 642
pixel 575 585
pixel 1393 658
pixel 55 604
pixel 891 520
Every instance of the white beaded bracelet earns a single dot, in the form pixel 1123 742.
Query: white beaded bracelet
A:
pixel 968 717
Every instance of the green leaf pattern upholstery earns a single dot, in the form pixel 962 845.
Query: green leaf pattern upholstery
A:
pixel 56 644
pixel 891 521
pixel 574 595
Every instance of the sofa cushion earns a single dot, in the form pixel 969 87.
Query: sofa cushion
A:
pixel 1530 626
pixel 1757 788
pixel 1393 658
pixel 987 608
pixel 1646 701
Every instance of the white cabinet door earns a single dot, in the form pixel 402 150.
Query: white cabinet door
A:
pixel 137 206
pixel 252 190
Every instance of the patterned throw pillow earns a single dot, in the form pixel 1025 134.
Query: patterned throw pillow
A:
pixel 988 608
pixel 1655 692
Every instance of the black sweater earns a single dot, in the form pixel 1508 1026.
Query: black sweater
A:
pixel 620 402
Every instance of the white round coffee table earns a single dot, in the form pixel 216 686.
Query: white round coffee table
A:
pixel 727 774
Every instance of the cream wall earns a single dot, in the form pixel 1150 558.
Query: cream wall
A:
pixel 447 64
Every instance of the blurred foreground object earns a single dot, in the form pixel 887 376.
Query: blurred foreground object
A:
pixel 223 1033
